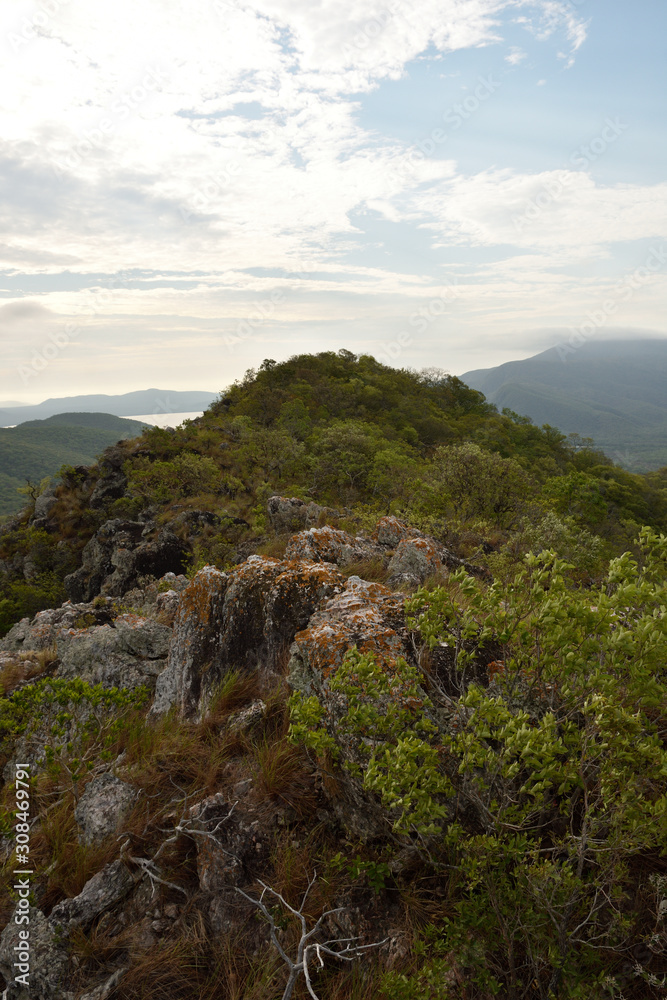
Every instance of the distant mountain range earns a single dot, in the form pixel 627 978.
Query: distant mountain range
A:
pixel 38 448
pixel 612 391
pixel 128 404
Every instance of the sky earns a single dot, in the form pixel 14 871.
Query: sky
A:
pixel 188 187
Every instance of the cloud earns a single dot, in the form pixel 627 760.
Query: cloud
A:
pixel 515 56
pixel 19 313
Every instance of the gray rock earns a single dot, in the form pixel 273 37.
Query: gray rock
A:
pixel 331 545
pixel 370 617
pixel 194 644
pixel 48 960
pixel 288 514
pixel 41 631
pixel 390 530
pixel 111 486
pixel 102 892
pixel 103 805
pixel 45 503
pixel 245 619
pixel 119 553
pixel 127 653
pixel 414 560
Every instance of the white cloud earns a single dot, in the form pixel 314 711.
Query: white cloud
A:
pixel 515 56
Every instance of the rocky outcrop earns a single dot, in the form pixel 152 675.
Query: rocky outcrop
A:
pixel 112 482
pixel 370 617
pixel 390 531
pixel 47 963
pixel 289 514
pixel 366 615
pixel 331 545
pixel 119 553
pixel 195 643
pixel 44 504
pixel 129 652
pixel 241 619
pixel 414 560
pixel 105 801
pixel 40 632
pixel 102 892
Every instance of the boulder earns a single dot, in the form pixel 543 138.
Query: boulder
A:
pixel 44 503
pixel 414 560
pixel 390 531
pixel 103 805
pixel 331 545
pixel 40 632
pixel 366 615
pixel 127 653
pixel 119 553
pixel 243 619
pixel 195 642
pixel 234 837
pixel 112 482
pixel 102 892
pixel 289 514
pixel 370 617
pixel 48 960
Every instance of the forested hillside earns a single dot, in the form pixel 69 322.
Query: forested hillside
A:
pixel 612 391
pixel 38 448
pixel 359 693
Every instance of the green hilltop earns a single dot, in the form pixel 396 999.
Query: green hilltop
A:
pixel 38 448
pixel 354 671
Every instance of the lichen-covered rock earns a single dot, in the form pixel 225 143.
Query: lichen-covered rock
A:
pixel 40 632
pixel 103 805
pixel 129 652
pixel 370 617
pixel 330 545
pixel 195 642
pixel 242 619
pixel 48 962
pixel 103 891
pixel 119 553
pixel 414 560
pixel 390 531
pixel 288 514
pixel 366 615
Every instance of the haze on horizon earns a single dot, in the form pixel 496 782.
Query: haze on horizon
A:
pixel 189 188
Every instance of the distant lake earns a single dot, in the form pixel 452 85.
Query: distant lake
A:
pixel 165 419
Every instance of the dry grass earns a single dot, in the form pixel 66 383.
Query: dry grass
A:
pixel 283 772
pixel 25 666
pixel 274 548
pixel 162 754
pixel 64 864
pixel 374 570
pixel 193 967
pixel 235 690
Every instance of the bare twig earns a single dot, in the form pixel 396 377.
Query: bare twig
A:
pixel 306 946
